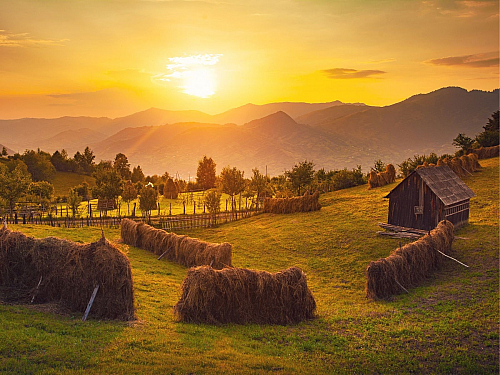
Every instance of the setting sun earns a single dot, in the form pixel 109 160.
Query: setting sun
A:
pixel 200 82
pixel 194 74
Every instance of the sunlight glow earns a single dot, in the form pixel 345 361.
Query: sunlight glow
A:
pixel 195 74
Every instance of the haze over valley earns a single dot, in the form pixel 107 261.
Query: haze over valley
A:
pixel 333 135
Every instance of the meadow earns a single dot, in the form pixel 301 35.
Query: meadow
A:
pixel 450 324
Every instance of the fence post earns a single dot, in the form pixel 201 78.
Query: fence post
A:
pixel 170 210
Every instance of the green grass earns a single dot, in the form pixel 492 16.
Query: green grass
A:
pixel 63 181
pixel 448 325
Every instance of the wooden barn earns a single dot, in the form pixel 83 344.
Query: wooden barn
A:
pixel 427 196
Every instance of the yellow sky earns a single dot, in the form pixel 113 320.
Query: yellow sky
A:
pixel 113 58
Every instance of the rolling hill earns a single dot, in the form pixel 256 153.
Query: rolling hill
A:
pixel 333 135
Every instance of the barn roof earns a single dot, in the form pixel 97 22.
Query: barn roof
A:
pixel 443 182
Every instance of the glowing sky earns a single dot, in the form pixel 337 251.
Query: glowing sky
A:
pixel 113 58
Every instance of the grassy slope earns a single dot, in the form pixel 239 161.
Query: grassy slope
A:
pixel 63 181
pixel 450 324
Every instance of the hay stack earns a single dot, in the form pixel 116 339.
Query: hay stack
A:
pixel 69 272
pixel 474 161
pixel 242 296
pixel 487 152
pixel 184 250
pixel 382 178
pixel 307 202
pixel 409 265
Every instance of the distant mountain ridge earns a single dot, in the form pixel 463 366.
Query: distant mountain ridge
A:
pixel 333 137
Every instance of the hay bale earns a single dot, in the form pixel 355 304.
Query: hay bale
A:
pixel 410 264
pixel 373 180
pixel 487 152
pixel 243 296
pixel 69 272
pixel 184 250
pixel 466 163
pixel 474 161
pixel 307 202
pixel 391 173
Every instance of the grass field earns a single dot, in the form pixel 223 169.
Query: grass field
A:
pixel 448 325
pixel 63 181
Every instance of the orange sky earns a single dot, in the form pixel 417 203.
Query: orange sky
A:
pixel 113 58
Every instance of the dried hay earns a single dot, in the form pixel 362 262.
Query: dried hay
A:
pixel 382 178
pixel 243 296
pixel 409 265
pixel 57 270
pixel 184 250
pixel 487 152
pixel 307 202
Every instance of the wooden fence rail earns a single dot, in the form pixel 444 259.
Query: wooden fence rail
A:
pixel 167 222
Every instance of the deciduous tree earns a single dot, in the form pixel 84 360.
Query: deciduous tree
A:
pixel 205 174
pixel 14 182
pixel 301 175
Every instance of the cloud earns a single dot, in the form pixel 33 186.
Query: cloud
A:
pixel 463 8
pixel 24 40
pixel 342 73
pixel 479 60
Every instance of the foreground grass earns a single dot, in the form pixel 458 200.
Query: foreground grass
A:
pixel 448 325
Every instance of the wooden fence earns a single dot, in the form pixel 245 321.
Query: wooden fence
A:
pixel 167 222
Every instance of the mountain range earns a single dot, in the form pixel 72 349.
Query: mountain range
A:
pixel 273 136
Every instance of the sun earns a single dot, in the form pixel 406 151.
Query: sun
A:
pixel 195 75
pixel 200 82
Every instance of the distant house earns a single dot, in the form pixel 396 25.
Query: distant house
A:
pixel 427 196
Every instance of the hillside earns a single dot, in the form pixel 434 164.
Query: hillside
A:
pixel 448 325
pixel 275 141
pixel 425 122
pixel 333 135
pixel 63 181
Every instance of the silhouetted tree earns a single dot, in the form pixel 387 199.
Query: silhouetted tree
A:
pixel 490 135
pixel 463 142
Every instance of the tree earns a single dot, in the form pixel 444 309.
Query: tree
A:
pixel 205 174
pixel 42 189
pixel 129 194
pixel 4 151
pixel 85 161
pixel 170 190
pixel 232 182
pixel 122 166
pixel 109 184
pixel 463 142
pixel 137 175
pixel 379 166
pixel 14 183
pixel 301 175
pixel 490 136
pixel 212 203
pixel 74 200
pixel 148 199
pixel 258 183
pixel 39 165
pixel 83 190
